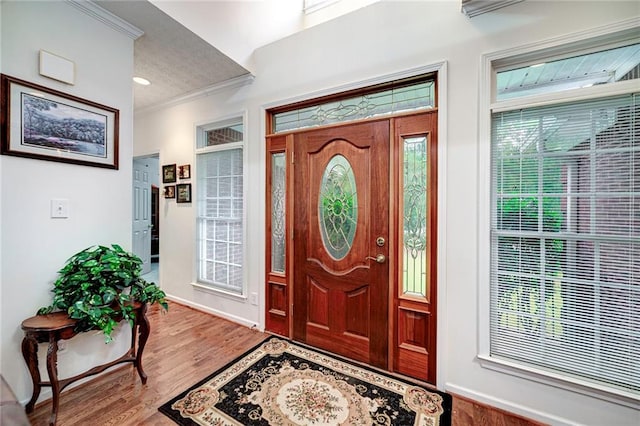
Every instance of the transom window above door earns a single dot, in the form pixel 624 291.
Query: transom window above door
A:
pixel 418 93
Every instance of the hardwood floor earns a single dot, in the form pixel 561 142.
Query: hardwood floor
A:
pixel 185 346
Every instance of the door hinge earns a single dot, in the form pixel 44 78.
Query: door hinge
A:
pixel 292 159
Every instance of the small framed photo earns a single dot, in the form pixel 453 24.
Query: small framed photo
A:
pixel 170 191
pixel 184 171
pixel 183 193
pixel 169 173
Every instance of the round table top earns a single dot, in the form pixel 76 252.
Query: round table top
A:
pixel 55 321
pixel 49 322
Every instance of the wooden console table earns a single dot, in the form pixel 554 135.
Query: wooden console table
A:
pixel 53 327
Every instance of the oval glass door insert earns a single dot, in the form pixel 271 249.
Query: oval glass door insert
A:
pixel 338 207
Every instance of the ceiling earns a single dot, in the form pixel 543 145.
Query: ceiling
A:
pixel 181 48
pixel 174 59
pixel 189 46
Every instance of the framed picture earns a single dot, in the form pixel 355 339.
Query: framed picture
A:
pixel 170 191
pixel 45 124
pixel 183 193
pixel 169 173
pixel 184 172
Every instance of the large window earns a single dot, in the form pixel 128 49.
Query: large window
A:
pixel 220 189
pixel 565 218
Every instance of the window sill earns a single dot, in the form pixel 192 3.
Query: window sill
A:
pixel 217 291
pixel 616 396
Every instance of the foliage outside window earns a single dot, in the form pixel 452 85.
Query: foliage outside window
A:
pixel 565 237
pixel 220 222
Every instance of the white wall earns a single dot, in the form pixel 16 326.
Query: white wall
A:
pixel 36 246
pixel 378 40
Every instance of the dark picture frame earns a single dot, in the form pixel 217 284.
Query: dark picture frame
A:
pixel 169 173
pixel 170 191
pixel 45 124
pixel 183 193
pixel 184 171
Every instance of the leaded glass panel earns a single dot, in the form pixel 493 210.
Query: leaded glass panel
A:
pixel 414 222
pixel 338 207
pixel 278 241
pixel 407 98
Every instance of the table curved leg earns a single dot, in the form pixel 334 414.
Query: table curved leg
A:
pixel 52 369
pixel 30 354
pixel 143 329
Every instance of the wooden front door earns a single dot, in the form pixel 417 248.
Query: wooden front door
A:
pixel 341 235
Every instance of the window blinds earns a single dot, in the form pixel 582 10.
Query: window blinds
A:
pixel 565 239
pixel 220 219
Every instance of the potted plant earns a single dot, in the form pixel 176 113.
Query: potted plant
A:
pixel 98 287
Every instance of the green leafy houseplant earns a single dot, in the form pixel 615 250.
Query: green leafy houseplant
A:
pixel 98 286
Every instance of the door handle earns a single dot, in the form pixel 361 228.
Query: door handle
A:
pixel 380 258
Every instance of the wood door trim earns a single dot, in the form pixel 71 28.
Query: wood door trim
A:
pixel 394 84
pixel 414 317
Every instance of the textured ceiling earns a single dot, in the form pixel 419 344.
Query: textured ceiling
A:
pixel 175 60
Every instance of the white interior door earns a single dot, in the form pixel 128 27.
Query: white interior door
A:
pixel 142 214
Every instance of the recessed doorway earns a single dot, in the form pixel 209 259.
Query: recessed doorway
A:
pixel 145 214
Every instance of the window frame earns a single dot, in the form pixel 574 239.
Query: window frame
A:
pixel 200 131
pixel 310 6
pixel 591 40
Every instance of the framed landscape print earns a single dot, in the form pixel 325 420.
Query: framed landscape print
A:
pixel 183 193
pixel 169 173
pixel 45 124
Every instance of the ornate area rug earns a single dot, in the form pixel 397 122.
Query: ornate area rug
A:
pixel 283 383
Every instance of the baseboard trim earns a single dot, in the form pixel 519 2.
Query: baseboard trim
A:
pixel 521 410
pixel 208 310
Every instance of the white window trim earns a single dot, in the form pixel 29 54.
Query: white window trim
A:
pixel 311 6
pixel 531 54
pixel 200 128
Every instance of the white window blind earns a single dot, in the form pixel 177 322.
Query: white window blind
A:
pixel 565 239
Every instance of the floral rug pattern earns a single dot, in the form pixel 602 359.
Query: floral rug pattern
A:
pixel 283 383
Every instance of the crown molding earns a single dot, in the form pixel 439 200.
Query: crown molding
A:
pixel 232 83
pixel 106 17
pixel 473 8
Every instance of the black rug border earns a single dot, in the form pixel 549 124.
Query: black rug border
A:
pixel 447 399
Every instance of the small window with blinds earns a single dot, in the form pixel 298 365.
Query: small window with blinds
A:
pixel 565 239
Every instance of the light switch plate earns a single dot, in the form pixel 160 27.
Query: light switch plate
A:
pixel 60 208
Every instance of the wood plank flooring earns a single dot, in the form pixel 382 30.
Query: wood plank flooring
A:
pixel 184 347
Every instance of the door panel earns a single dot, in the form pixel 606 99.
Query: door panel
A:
pixel 141 244
pixel 414 347
pixel 341 205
